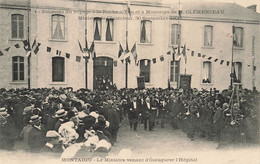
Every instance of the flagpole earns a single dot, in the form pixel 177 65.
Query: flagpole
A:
pixel 126 62
pixel 86 59
pixel 28 36
pixel 232 58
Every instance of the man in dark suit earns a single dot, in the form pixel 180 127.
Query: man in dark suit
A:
pixel 36 137
pixel 133 113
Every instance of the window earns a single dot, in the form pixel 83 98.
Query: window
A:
pixel 208 36
pixel 238 72
pixel 18 68
pixel 145 69
pixel 175 34
pixel 146 31
pixel 58 27
pixel 17 26
pixel 238 33
pixel 175 71
pixel 58 69
pixel 207 72
pixel 97 28
pixel 110 30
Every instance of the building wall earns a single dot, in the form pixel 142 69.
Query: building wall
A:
pixel 192 36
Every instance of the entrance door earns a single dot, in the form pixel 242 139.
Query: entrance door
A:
pixel 103 73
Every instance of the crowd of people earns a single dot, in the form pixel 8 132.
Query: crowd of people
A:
pixel 51 120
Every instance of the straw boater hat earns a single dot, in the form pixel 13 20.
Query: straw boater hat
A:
pixel 3 109
pixel 4 114
pixel 35 118
pixel 27 110
pixel 61 113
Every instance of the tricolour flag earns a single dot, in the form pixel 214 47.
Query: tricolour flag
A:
pixel 209 58
pixel 133 51
pixel 1 53
pixel 161 58
pixel 48 49
pixel 67 55
pixel 92 50
pixel 184 53
pixel 120 50
pixel 7 49
pixel 17 45
pixel 80 47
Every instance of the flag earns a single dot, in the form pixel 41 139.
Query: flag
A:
pixel 122 60
pixel 192 53
pixel 179 50
pixel 184 53
pixel 133 51
pixel 48 49
pixel 188 49
pixel 92 50
pixel 120 50
pixel 126 49
pixel 80 47
pixel 128 8
pixel 161 58
pixel 169 53
pixel 34 43
pixel 215 60
pixel 1 53
pixel 67 55
pixel 28 54
pixel 254 68
pixel 86 45
pixel 26 45
pixel 36 50
pixel 7 49
pixel 227 63
pixel 203 56
pixel 78 58
pixel 115 63
pixel 199 54
pixel 173 53
pixel 221 62
pixel 17 45
pixel 58 52
pixel 234 36
pixel 128 59
pixel 154 60
pixel 209 58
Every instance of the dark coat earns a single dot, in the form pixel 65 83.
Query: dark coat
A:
pixel 36 140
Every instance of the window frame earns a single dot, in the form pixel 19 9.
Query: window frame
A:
pixel 112 31
pixel 242 36
pixel 63 69
pixel 146 41
pixel 212 33
pixel 149 71
pixel 52 30
pixel 177 30
pixel 210 73
pixel 240 73
pixel 17 26
pixel 173 66
pixel 18 62
pixel 94 25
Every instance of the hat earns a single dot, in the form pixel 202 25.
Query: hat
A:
pixel 52 134
pixel 27 109
pixel 94 114
pixel 3 109
pixel 63 97
pixel 61 113
pixel 35 118
pixel 236 105
pixel 4 114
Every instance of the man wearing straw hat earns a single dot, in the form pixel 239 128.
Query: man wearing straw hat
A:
pixel 36 138
pixel 61 115
pixel 7 131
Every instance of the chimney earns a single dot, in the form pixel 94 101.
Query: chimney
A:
pixel 252 7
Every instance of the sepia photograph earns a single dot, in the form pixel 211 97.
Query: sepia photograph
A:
pixel 130 81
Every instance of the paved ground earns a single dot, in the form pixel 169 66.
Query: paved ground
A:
pixel 160 146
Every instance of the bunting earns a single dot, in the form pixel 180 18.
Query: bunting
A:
pixel 133 51
pixel 67 55
pixel 120 50
pixel 48 49
pixel 154 60
pixel 78 58
pixel 17 45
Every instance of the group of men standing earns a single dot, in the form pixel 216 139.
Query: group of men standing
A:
pixel 38 116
